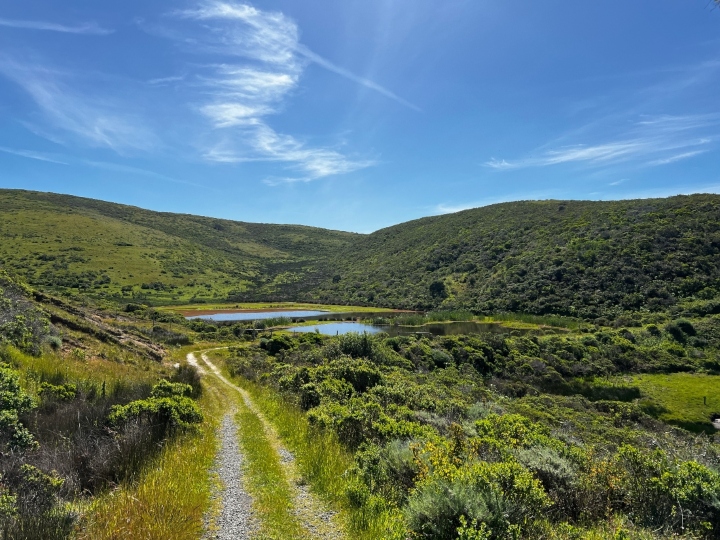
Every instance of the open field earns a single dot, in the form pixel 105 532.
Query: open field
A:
pixel 687 400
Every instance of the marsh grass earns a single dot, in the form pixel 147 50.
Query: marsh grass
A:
pixel 276 321
pixel 455 316
pixel 541 320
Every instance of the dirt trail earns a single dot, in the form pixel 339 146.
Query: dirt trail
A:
pixel 315 518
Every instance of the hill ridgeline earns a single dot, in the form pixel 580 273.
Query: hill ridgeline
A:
pixel 576 258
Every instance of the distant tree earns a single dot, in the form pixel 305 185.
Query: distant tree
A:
pixel 438 289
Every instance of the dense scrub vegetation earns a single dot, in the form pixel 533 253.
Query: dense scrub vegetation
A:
pixel 584 259
pixel 525 436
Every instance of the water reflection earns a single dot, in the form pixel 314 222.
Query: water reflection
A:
pixel 307 314
pixel 435 329
pixel 332 329
pixel 255 315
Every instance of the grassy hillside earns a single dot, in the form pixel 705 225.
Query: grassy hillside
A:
pixel 72 244
pixel 573 258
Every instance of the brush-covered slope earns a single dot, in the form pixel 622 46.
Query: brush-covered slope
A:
pixel 61 242
pixel 578 258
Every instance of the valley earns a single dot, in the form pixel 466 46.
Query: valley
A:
pixel 525 370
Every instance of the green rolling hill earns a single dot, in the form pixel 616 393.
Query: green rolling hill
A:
pixel 577 258
pixel 71 244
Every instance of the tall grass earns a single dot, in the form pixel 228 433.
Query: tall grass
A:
pixel 325 465
pixel 453 315
pixel 276 321
pixel 409 320
pixel 79 369
pixel 545 320
pixel 170 498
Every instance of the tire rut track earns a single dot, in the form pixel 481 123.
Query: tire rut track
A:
pixel 318 521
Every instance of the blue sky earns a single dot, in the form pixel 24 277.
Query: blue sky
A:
pixel 358 114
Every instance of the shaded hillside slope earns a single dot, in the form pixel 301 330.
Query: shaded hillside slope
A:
pixel 61 242
pixel 578 258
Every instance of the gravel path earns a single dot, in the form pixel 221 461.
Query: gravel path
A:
pixel 316 519
pixel 192 360
pixel 236 520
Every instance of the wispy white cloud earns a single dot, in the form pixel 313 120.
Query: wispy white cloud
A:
pixel 676 157
pixel 160 81
pixel 372 85
pixel 659 137
pixel 88 28
pixel 275 38
pixel 262 35
pixel 31 154
pixel 239 96
pixel 98 122
pixel 618 182
pixel 107 165
pixel 262 143
pixel 137 171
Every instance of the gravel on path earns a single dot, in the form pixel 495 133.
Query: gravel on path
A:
pixel 236 520
pixel 316 519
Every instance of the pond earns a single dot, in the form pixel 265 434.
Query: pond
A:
pixel 332 329
pixel 255 315
pixel 436 329
pixel 307 314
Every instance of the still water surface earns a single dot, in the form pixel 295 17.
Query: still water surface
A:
pixel 436 329
pixel 255 315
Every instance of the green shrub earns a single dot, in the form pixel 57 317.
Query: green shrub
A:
pixel 166 408
pixel 187 374
pixel 61 392
pixel 388 470
pixel 169 389
pixel 13 402
pixel 659 492
pixel 510 430
pixel 361 374
pixel 504 496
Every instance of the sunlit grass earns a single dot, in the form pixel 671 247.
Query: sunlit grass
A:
pixel 266 482
pixel 169 499
pixel 686 399
pixel 81 370
pixel 325 465
pixel 535 320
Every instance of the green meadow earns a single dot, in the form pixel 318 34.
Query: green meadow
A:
pixel 685 399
